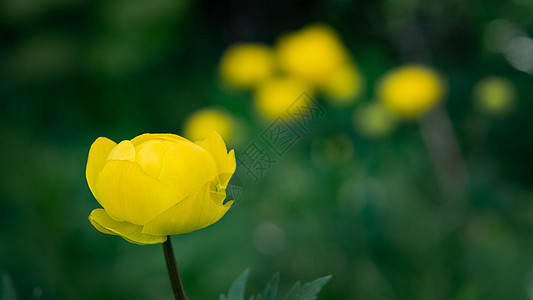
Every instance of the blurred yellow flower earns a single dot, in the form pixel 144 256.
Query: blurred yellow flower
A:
pixel 274 97
pixel 245 65
pixel 373 120
pixel 157 185
pixel 203 122
pixel 410 91
pixel 343 86
pixel 313 53
pixel 495 96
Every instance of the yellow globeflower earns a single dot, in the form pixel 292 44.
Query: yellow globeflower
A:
pixel 373 120
pixel 202 123
pixel 343 86
pixel 245 65
pixel 274 97
pixel 157 185
pixel 494 96
pixel 313 53
pixel 410 91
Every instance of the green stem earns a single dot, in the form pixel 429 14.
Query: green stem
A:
pixel 172 268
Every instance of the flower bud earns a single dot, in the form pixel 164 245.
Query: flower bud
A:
pixel 246 65
pixel 410 91
pixel 157 185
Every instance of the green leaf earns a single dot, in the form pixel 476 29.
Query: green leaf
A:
pixel 293 292
pixel 271 289
pixel 236 291
pixel 311 289
pixel 308 291
pixel 298 292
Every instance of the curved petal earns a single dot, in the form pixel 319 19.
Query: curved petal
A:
pixel 192 213
pixel 129 194
pixel 225 161
pixel 186 167
pixel 130 232
pixel 150 155
pixel 123 151
pixel 151 136
pixel 95 162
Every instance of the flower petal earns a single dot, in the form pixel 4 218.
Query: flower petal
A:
pixel 153 136
pixel 123 151
pixel 186 167
pixel 97 158
pixel 130 232
pixel 194 212
pixel 150 154
pixel 129 194
pixel 225 161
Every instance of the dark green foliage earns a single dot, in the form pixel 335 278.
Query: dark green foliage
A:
pixel 306 292
pixel 271 290
pixel 236 291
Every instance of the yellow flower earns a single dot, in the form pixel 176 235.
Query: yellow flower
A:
pixel 274 97
pixel 495 96
pixel 372 120
pixel 313 53
pixel 202 123
pixel 410 91
pixel 343 86
pixel 157 185
pixel 245 65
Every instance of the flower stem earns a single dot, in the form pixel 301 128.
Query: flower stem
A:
pixel 172 268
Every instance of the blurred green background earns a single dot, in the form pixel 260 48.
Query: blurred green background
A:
pixel 405 216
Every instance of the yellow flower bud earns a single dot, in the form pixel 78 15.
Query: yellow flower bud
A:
pixel 202 123
pixel 343 86
pixel 495 96
pixel 157 185
pixel 274 97
pixel 372 120
pixel 245 65
pixel 410 91
pixel 313 53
